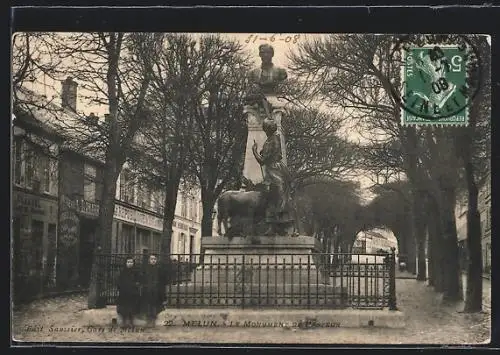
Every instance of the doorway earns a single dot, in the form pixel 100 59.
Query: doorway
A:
pixel 88 228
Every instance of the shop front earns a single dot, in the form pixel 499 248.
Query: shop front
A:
pixel 78 223
pixel 137 232
pixel 34 242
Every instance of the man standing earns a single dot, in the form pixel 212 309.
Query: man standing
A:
pixel 153 290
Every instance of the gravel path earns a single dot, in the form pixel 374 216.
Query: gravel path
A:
pixel 428 321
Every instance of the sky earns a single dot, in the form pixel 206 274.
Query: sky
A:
pixel 282 44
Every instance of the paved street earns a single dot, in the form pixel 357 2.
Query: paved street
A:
pixel 428 321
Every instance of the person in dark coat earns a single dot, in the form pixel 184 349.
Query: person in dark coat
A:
pixel 153 290
pixel 127 305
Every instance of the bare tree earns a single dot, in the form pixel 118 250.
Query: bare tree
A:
pixel 217 141
pixel 163 144
pixel 315 149
pixel 31 58
pixel 109 69
pixel 331 210
pixel 473 147
pixel 359 73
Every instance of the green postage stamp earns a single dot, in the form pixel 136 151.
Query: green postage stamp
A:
pixel 435 88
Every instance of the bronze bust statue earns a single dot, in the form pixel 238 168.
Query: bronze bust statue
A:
pixel 268 76
pixel 266 79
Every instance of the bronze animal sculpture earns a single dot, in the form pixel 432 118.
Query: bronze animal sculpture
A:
pixel 240 212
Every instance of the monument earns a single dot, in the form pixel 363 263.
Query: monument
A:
pixel 265 172
pixel 262 102
pixel 259 251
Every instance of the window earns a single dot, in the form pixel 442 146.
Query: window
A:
pixel 192 208
pixel 157 202
pixel 159 208
pixel 18 160
pixel 127 192
pixel 89 190
pixel 181 246
pixel 156 242
pixel 144 197
pixel 53 178
pixel 46 172
pixel 45 166
pixel 33 168
pixel 128 239
pixel 184 205
pixel 149 197
pixel 30 173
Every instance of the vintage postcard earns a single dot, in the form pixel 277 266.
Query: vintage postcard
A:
pixel 270 188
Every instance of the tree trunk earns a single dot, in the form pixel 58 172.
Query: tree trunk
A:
pixel 411 158
pixel 208 201
pixel 422 260
pixel 436 248
pixel 104 232
pixel 412 254
pixel 169 205
pixel 474 293
pixel 326 239
pixel 402 245
pixel 419 234
pixel 166 236
pixel 451 266
pixel 430 253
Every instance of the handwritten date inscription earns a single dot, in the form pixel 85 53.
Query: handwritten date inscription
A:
pixel 278 37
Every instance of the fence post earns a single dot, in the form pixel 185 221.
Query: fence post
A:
pixel 392 280
pixel 145 257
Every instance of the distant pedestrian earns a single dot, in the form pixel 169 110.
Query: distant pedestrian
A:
pixel 153 290
pixel 127 305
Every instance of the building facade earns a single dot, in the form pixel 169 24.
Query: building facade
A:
pixel 55 205
pixel 34 213
pixel 373 241
pixel 138 217
pixel 484 207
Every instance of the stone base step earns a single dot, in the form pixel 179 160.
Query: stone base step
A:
pixel 242 319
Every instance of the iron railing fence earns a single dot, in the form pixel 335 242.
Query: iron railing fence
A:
pixel 320 280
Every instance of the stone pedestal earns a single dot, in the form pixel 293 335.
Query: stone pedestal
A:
pixel 255 118
pixel 259 271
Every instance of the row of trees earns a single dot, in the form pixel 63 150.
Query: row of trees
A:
pixel 358 73
pixel 175 114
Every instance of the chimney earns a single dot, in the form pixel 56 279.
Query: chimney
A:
pixel 69 90
pixel 93 118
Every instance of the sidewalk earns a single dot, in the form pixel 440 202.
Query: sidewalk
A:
pixel 428 321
